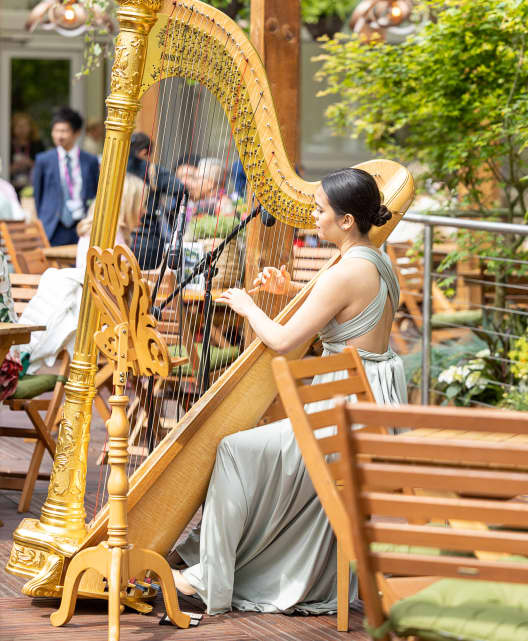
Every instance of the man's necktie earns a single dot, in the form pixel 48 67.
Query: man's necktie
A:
pixel 66 214
pixel 69 174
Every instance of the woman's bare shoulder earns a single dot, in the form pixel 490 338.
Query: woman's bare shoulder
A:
pixel 354 267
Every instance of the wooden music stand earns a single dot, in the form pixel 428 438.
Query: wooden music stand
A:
pixel 130 340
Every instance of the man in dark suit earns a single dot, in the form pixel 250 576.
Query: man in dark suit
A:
pixel 64 179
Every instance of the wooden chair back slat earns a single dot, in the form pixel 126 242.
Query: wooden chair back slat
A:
pixel 308 367
pixel 456 568
pixel 503 453
pixel 346 386
pixel 453 418
pixel 23 293
pixel 24 280
pixel 19 307
pixel 447 538
pixel 391 476
pixel 435 508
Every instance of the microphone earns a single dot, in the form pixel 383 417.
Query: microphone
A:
pixel 175 252
pixel 267 219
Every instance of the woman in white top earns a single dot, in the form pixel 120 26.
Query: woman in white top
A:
pixel 57 301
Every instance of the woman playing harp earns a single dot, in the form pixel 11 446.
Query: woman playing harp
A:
pixel 265 543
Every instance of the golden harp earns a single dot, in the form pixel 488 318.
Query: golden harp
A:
pixel 204 48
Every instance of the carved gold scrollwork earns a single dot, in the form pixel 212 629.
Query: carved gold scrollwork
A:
pixel 122 296
pixel 49 575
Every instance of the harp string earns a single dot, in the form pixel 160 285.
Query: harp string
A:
pixel 192 104
pixel 144 198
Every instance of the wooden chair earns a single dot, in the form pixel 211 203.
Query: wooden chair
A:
pixel 294 390
pixel 33 261
pixel 410 277
pixel 20 237
pixel 28 398
pixel 23 288
pixel 308 261
pixel 414 601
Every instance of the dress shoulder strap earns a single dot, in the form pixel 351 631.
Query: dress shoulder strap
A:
pixel 384 267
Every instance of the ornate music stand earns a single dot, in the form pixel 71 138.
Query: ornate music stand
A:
pixel 130 340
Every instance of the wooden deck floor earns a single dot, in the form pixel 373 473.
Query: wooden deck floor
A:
pixel 25 619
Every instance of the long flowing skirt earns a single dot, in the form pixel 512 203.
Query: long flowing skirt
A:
pixel 265 543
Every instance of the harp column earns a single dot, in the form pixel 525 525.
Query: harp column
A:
pixel 40 547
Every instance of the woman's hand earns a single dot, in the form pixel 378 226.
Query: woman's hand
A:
pixel 272 280
pixel 238 299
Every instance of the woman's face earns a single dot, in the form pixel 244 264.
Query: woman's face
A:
pixel 22 128
pixel 325 218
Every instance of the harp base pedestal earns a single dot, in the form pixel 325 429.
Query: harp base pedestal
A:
pixel 43 559
pixel 118 564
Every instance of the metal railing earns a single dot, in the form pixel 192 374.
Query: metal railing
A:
pixel 431 222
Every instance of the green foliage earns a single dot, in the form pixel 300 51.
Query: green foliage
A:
pixel 519 355
pixel 97 47
pixel 451 96
pixel 516 398
pixel 471 380
pixel 313 10
pixel 207 226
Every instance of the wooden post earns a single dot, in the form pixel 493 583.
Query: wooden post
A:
pixel 275 33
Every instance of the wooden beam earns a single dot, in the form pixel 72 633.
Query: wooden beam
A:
pixel 275 33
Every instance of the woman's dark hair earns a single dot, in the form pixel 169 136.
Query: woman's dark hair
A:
pixel 354 191
pixel 138 142
pixel 69 116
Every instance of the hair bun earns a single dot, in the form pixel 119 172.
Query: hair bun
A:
pixel 382 216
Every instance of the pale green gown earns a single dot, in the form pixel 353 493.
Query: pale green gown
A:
pixel 265 543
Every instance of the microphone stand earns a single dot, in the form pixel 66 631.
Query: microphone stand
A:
pixel 176 239
pixel 206 266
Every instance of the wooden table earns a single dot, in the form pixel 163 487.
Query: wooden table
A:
pixel 15 334
pixel 65 255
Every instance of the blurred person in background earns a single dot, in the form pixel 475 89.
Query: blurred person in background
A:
pixel 93 137
pixel 208 193
pixel 25 145
pixel 64 179
pixel 130 213
pixel 164 195
pixel 10 208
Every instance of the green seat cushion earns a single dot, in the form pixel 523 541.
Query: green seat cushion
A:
pixel 398 548
pixel 466 317
pixel 219 357
pixel 464 610
pixel 32 385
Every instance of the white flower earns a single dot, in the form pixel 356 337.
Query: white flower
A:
pixel 473 379
pixel 451 374
pixel 483 353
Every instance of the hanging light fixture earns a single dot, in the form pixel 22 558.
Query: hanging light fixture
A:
pixel 373 18
pixel 69 17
